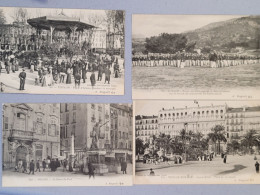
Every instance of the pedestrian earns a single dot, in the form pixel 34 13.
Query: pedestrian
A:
pixel 62 74
pixel 43 165
pixel 107 75
pixel 257 167
pixel 100 72
pixel 0 67
pixel 20 165
pixel 123 166
pixel 77 80
pixel 151 172
pixel 68 80
pixel 91 170
pixel 53 165
pixel 65 165
pixel 70 166
pixel 93 79
pixel 31 167
pixel 24 166
pixel 225 159
pixel 22 77
pixel 38 166
pixel 7 66
pixel 84 73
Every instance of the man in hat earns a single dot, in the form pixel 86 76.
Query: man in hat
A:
pixel 257 167
pixel 22 77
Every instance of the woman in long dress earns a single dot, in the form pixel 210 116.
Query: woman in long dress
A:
pixel 68 80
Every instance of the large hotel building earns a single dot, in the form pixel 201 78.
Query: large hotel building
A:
pixel 236 121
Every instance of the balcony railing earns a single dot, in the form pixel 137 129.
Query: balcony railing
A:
pixel 22 134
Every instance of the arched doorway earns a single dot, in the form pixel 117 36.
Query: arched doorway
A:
pixel 21 153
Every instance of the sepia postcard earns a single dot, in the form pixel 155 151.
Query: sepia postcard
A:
pixel 67 144
pixel 62 51
pixel 197 142
pixel 196 56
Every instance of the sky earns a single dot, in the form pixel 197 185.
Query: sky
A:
pixel 83 14
pixel 152 107
pixel 152 25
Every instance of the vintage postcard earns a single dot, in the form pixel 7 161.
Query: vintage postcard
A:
pixel 196 56
pixel 62 51
pixel 67 144
pixel 197 142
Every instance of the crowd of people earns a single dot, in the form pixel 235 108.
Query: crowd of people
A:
pixel 182 60
pixel 63 70
pixel 52 165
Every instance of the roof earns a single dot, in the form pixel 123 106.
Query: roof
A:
pixel 60 22
pixel 138 117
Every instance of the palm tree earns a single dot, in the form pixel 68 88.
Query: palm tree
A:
pixel 139 146
pixel 185 136
pixel 217 136
pixel 163 142
pixel 250 139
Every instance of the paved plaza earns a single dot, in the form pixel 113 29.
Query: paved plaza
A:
pixel 12 83
pixel 64 178
pixel 236 165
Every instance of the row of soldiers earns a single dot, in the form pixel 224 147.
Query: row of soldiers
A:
pixel 182 60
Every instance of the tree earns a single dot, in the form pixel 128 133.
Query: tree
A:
pixel 116 26
pixel 233 146
pixel 163 142
pixel 166 43
pixel 217 136
pixel 250 139
pixel 2 17
pixel 139 146
pixel 185 137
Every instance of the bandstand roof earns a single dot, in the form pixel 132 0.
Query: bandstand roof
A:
pixel 60 22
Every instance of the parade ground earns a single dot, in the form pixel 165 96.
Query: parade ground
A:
pixel 236 167
pixel 64 178
pixel 12 83
pixel 196 78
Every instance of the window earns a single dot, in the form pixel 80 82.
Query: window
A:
pixel 67 118
pixel 52 131
pixel 74 117
pixel 6 123
pixel 100 108
pixel 93 106
pixel 74 106
pixel 66 108
pixel 93 118
pixel 20 123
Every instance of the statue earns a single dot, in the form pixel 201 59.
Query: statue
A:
pixel 95 136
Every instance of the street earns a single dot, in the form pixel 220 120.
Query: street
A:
pixel 66 178
pixel 236 168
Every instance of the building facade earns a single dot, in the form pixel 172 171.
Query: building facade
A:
pixel 30 132
pixel 121 131
pixel 146 127
pixel 114 143
pixel 241 120
pixel 79 120
pixel 195 119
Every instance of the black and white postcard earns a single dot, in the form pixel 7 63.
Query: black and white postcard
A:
pixel 62 51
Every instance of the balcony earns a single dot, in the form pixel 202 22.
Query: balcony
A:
pixel 22 135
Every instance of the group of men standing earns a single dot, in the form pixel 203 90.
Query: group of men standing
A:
pixel 182 60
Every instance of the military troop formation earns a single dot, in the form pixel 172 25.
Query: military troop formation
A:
pixel 182 60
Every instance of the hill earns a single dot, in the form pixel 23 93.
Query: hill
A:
pixel 241 32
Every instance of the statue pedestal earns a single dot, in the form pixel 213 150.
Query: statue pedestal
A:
pixel 97 158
